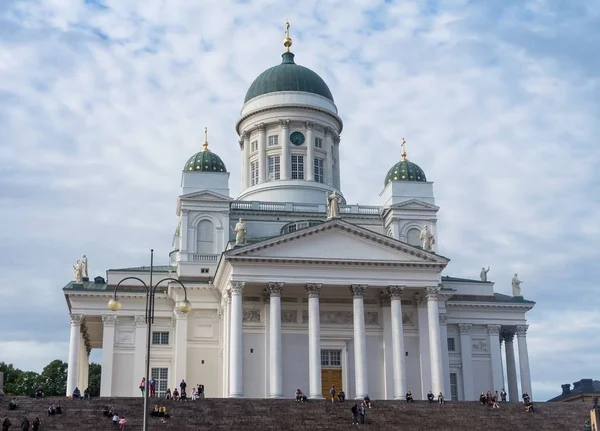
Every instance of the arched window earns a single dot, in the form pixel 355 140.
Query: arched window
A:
pixel 206 237
pixel 412 237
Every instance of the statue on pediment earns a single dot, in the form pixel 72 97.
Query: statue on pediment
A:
pixel 78 272
pixel 427 239
pixel 516 285
pixel 84 267
pixel 240 232
pixel 483 274
pixel 333 205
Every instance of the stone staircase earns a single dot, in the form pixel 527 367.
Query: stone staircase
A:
pixel 259 414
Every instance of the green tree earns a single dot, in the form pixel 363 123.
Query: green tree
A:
pixel 11 375
pixel 26 384
pixel 94 379
pixel 53 379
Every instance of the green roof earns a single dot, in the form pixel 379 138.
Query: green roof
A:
pixel 405 171
pixel 288 76
pixel 205 161
pixel 462 280
pixel 155 268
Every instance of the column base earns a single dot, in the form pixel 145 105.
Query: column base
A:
pixel 275 397
pixel 236 396
pixel 400 398
pixel 316 397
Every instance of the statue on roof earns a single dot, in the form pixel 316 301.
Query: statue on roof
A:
pixel 427 239
pixel 240 232
pixel 78 272
pixel 516 285
pixel 483 273
pixel 333 205
pixel 84 267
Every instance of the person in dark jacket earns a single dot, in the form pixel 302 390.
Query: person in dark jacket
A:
pixel 6 423
pixel 354 411
pixel 25 424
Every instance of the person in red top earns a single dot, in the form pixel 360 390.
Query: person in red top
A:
pixel 143 385
pixel 152 387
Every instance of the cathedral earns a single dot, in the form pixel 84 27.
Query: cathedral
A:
pixel 288 287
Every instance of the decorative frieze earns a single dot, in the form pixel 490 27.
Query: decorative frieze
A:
pixel 313 290
pixel 371 318
pixel 289 316
pixel 407 319
pixel 274 289
pixel 109 319
pixel 480 346
pixel 139 320
pixel 251 316
pixel 342 317
pixel 358 290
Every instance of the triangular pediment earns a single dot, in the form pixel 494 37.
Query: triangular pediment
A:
pixel 205 196
pixel 335 241
pixel 415 204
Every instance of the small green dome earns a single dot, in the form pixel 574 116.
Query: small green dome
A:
pixel 205 161
pixel 288 76
pixel 405 171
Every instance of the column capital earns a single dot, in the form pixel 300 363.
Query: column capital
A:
pixel 507 335
pixel 464 328
pixel 432 293
pixel 236 287
pixel 310 125
pixel 241 144
pixel 109 319
pixel 522 330
pixel 358 290
pixel 76 319
pixel 384 299
pixel 313 289
pixel 261 127
pixel 395 292
pixel 494 329
pixel 336 139
pixel 328 131
pixel 274 289
pixel 284 123
pixel 244 135
pixel 139 320
pixel 443 318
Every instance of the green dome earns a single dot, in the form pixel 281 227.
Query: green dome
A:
pixel 205 161
pixel 405 171
pixel 288 76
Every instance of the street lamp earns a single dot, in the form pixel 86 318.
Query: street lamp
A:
pixel 115 305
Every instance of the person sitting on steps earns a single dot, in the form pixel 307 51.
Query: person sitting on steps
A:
pixel 367 401
pixel 51 410
pixel 430 397
pixel 342 397
pixel 409 397
pixel 332 393
pixel 441 399
pixel 13 404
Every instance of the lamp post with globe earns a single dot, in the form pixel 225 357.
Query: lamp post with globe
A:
pixel 115 305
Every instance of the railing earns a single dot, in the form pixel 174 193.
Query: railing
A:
pixel 205 257
pixel 304 208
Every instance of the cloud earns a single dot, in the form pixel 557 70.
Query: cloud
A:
pixel 101 104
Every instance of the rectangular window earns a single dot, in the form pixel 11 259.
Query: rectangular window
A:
pixel 160 338
pixel 318 142
pixel 451 346
pixel 297 167
pixel 273 140
pixel 204 270
pixel 161 375
pixel 318 169
pixel 454 386
pixel 254 146
pixel 254 173
pixel 331 358
pixel 274 168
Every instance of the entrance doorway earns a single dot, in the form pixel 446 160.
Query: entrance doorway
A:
pixel 331 371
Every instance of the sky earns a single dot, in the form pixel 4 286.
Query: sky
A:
pixel 102 103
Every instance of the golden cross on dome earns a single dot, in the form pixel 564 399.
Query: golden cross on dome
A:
pixel 205 145
pixel 287 42
pixel 403 149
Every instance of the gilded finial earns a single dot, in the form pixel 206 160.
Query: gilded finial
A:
pixel 404 150
pixel 287 42
pixel 205 145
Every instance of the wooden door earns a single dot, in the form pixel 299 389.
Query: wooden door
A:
pixel 331 376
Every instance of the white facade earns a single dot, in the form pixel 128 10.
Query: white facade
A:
pixel 307 301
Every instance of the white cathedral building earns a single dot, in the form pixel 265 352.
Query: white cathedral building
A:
pixel 290 287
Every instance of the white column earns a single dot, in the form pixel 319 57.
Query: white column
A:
pixel 226 303
pixel 108 345
pixel 74 346
pixel 329 159
pixel 276 385
pixel 262 153
pixel 495 354
pixel 524 359
pixel 81 360
pixel 243 162
pixel 435 347
pixel 86 369
pixel 388 345
pixel 310 151
pixel 511 368
pixel 466 356
pixel 336 155
pixel 398 342
pixel 285 149
pixel 139 356
pixel 314 341
pixel 184 231
pixel 246 172
pixel 236 344
pixel 360 342
pixel 445 358
pixel 180 350
pixel 424 355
